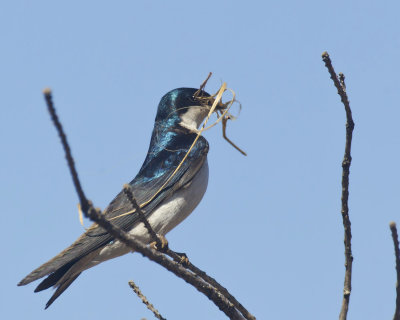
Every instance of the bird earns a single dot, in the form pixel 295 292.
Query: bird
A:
pixel 166 200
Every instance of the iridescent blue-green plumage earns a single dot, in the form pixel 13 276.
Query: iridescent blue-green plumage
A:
pixel 169 143
pixel 167 136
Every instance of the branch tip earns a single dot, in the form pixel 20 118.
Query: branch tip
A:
pixel 47 91
pixel 341 90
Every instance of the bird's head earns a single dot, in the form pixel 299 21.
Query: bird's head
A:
pixel 186 107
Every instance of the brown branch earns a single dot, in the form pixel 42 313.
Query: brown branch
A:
pixel 395 237
pixel 182 259
pixel 128 192
pixel 96 216
pixel 68 155
pixel 220 288
pixel 341 88
pixel 219 300
pixel 142 297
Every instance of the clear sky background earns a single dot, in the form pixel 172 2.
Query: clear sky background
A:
pixel 269 227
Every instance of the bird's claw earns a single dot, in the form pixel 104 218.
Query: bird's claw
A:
pixel 161 244
pixel 183 259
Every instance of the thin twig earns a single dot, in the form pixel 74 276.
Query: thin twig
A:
pixel 96 216
pixel 341 88
pixel 142 297
pixel 128 192
pixel 395 237
pixel 68 155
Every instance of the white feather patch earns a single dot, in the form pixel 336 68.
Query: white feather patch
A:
pixel 164 218
pixel 193 117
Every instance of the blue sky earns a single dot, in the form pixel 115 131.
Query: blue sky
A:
pixel 269 227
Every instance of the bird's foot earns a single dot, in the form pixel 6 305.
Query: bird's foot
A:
pixel 183 258
pixel 161 244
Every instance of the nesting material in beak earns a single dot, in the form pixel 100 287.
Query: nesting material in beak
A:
pixel 216 105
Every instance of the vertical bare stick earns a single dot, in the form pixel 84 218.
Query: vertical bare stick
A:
pixel 142 297
pixel 395 237
pixel 341 88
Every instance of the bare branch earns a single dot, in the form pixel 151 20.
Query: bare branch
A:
pixel 395 237
pixel 182 259
pixel 128 192
pixel 342 83
pixel 341 88
pixel 142 297
pixel 96 216
pixel 218 299
pixel 68 155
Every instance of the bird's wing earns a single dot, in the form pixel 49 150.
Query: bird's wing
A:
pixel 155 172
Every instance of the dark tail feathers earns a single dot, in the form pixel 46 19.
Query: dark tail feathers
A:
pixel 54 278
pixel 60 289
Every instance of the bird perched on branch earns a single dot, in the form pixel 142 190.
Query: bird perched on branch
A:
pixel 165 200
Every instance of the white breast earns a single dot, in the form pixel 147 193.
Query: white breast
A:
pixel 193 117
pixel 175 209
pixel 165 217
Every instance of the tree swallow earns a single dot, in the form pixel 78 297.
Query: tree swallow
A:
pixel 180 113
